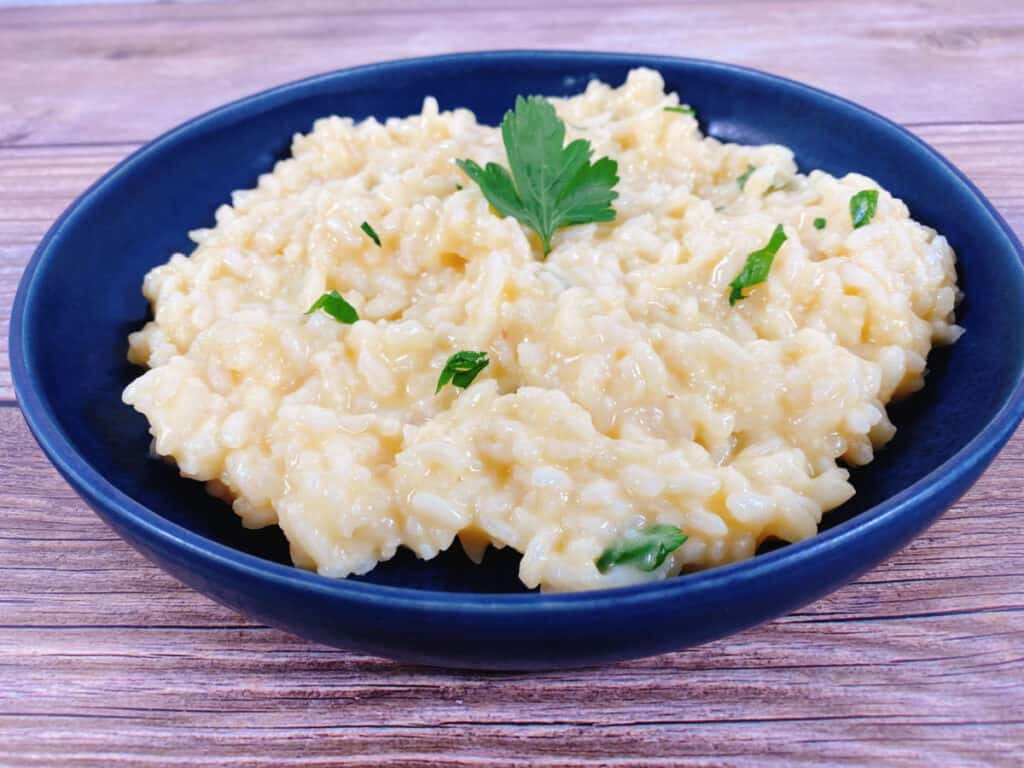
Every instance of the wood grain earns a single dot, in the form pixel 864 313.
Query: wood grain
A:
pixel 106 661
pixel 102 654
pixel 917 61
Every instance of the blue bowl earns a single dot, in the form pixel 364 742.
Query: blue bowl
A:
pixel 79 299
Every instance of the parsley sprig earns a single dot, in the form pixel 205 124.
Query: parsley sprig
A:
pixel 645 549
pixel 336 307
pixel 462 368
pixel 863 206
pixel 370 232
pixel 759 263
pixel 550 186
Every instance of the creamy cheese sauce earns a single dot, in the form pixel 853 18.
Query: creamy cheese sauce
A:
pixel 623 389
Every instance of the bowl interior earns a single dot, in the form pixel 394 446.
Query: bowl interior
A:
pixel 84 298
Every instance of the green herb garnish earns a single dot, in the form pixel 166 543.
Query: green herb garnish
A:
pixel 550 186
pixel 820 223
pixel 458 187
pixel 743 177
pixel 336 307
pixel 462 368
pixel 863 206
pixel 645 549
pixel 365 226
pixel 757 267
pixel 684 110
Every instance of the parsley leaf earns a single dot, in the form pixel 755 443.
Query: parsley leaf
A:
pixel 336 307
pixel 684 110
pixel 462 368
pixel 646 549
pixel 758 264
pixel 550 186
pixel 365 226
pixel 743 177
pixel 863 206
pixel 820 223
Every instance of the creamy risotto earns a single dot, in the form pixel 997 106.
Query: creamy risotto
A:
pixel 623 392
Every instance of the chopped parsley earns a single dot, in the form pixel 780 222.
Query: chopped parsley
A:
pixel 683 110
pixel 759 263
pixel 645 549
pixel 365 226
pixel 550 185
pixel 458 187
pixel 462 368
pixel 820 223
pixel 336 307
pixel 863 206
pixel 745 176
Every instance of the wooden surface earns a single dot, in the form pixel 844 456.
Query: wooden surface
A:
pixel 104 660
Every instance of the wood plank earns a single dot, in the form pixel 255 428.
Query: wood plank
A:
pixel 126 73
pixel 108 661
pixel 37 183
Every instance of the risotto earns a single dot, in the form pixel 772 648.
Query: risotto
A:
pixel 623 391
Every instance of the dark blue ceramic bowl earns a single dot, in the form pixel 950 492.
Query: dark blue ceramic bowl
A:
pixel 79 298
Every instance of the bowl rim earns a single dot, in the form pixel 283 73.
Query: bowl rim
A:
pixel 101 493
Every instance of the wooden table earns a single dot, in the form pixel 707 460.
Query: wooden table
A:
pixel 105 660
